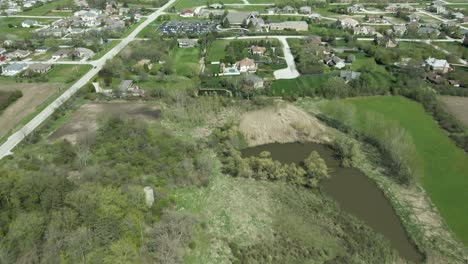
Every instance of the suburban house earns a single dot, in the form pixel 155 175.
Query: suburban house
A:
pixel 458 16
pixel 246 65
pixel 187 13
pixel 18 54
pixel 40 67
pixel 83 53
pixel 364 30
pixel 349 75
pixel 290 25
pixel 257 50
pixel 428 31
pixel 128 88
pixel 254 81
pixel 238 18
pixel 187 43
pixel 13 69
pixel 355 8
pixel 335 61
pixel 288 10
pixel 387 42
pixel 348 23
pixel 305 10
pixel 29 23
pixel 61 53
pixel 399 30
pixel 438 65
pixel 41 49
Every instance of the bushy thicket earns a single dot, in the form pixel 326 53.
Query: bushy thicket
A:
pixel 308 173
pixel 85 203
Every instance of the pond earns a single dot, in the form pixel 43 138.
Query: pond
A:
pixel 353 191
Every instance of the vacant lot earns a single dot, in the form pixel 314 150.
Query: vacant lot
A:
pixel 216 51
pixel 186 61
pixel 445 176
pixel 458 106
pixel 34 94
pixel 85 121
pixel 304 85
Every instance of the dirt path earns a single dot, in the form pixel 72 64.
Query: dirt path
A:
pixel 33 96
pixel 282 124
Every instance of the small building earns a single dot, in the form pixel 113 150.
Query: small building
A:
pixel 305 10
pixel 14 69
pixel 187 13
pixel 40 67
pixel 217 6
pixel 18 54
pixel 29 23
pixel 334 61
pixel 458 16
pixel 288 10
pixel 290 25
pixel 348 23
pixel 246 65
pixel 128 88
pixel 84 53
pixel 349 75
pixel 438 65
pixel 272 10
pixel 257 50
pixel 187 43
pixel 254 81
pixel 41 49
pixel 364 30
pixel 355 8
pixel 61 53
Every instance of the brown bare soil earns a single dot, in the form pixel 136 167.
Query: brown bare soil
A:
pixel 281 124
pixel 457 106
pixel 33 95
pixel 85 121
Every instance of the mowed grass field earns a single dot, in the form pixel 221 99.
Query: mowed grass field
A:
pixel 305 85
pixel 216 51
pixel 185 4
pixel 445 166
pixel 49 8
pixel 186 61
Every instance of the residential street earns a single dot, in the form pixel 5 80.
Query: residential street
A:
pixel 18 136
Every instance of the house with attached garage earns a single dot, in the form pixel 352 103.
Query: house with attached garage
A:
pixel 257 50
pixel 29 23
pixel 246 65
pixel 348 23
pixel 40 67
pixel 438 65
pixel 305 10
pixel 14 69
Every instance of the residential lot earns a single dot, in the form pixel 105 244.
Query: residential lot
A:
pixel 458 106
pixel 34 94
pixel 85 121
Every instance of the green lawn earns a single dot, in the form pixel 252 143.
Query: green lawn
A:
pixel 67 73
pixel 47 9
pixel 301 86
pixel 184 4
pixel 10 27
pixel 216 51
pixel 185 61
pixel 445 166
pixel 105 48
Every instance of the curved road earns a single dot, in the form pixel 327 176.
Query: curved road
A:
pixel 17 137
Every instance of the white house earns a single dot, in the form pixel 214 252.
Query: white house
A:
pixel 246 65
pixel 348 23
pixel 13 69
pixel 438 65
pixel 29 23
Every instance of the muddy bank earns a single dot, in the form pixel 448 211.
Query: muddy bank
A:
pixel 281 124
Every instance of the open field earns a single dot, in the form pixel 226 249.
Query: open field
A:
pixel 85 120
pixel 67 73
pixel 104 49
pixel 445 166
pixel 50 8
pixel 34 94
pixel 11 27
pixel 185 61
pixel 184 4
pixel 457 106
pixel 216 51
pixel 302 86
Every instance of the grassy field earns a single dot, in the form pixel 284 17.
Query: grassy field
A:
pixel 104 49
pixel 457 106
pixel 185 61
pixel 455 48
pixel 184 4
pixel 67 73
pixel 50 9
pixel 445 176
pixel 304 85
pixel 216 51
pixel 11 27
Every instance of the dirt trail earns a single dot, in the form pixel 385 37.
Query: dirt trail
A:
pixel 281 124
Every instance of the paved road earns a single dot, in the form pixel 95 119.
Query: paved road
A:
pixel 287 73
pixel 17 137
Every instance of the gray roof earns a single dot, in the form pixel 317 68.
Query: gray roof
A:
pixel 16 67
pixel 124 85
pixel 237 17
pixel 349 75
pixel 39 66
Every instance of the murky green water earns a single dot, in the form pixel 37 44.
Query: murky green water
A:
pixel 353 191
